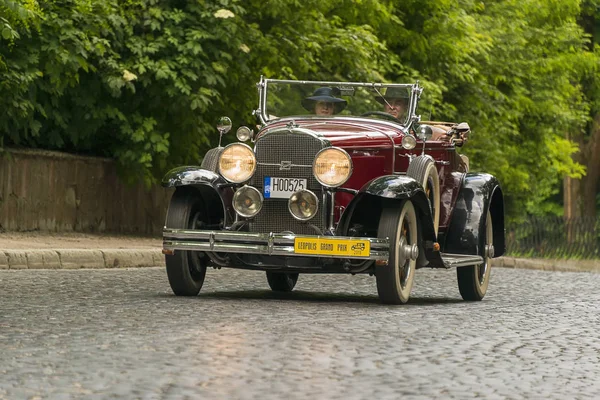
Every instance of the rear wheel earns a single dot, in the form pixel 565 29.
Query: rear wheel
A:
pixel 186 269
pixel 395 280
pixel 282 281
pixel 473 280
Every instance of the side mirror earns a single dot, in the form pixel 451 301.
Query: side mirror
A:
pixel 223 126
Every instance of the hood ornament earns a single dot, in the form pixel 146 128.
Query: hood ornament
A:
pixel 292 125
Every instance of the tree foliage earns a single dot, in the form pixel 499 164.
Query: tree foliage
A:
pixel 143 81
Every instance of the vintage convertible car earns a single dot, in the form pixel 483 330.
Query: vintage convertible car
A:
pixel 339 178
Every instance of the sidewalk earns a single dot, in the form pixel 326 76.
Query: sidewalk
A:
pixel 48 250
pixel 72 250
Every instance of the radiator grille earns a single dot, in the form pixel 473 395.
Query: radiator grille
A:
pixel 300 150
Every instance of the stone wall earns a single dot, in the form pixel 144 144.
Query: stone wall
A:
pixel 52 191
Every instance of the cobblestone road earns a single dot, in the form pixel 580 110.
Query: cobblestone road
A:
pixel 121 334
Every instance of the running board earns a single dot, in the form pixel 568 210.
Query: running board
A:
pixel 460 260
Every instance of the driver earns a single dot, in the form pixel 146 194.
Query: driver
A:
pixel 323 102
pixel 395 101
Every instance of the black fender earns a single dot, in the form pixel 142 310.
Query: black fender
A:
pixel 212 187
pixel 478 194
pixel 368 203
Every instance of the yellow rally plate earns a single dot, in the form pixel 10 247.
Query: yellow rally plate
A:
pixel 332 247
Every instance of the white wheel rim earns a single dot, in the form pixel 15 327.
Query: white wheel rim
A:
pixel 483 270
pixel 406 234
pixel 432 172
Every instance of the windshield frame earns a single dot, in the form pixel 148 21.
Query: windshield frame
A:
pixel 414 89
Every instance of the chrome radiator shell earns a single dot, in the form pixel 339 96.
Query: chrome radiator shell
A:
pixel 287 154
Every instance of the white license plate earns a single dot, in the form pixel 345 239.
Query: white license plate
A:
pixel 282 188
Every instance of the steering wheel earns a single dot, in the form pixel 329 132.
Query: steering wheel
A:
pixel 381 114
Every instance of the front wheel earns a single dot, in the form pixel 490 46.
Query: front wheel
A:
pixel 186 269
pixel 473 281
pixel 395 280
pixel 282 281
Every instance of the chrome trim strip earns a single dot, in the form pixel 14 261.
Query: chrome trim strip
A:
pixel 331 227
pixel 278 244
pixel 290 165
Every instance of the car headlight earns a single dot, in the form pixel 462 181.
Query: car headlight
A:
pixel 332 167
pixel 237 163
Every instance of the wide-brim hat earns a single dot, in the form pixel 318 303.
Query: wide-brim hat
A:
pixel 393 93
pixel 324 94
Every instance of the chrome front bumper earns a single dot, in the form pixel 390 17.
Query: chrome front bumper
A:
pixel 273 244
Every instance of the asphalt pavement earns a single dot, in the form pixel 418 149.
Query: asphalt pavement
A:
pixel 122 334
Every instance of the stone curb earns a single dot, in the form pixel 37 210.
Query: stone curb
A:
pixel 548 265
pixel 135 258
pixel 80 258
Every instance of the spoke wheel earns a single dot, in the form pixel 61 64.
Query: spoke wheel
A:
pixel 395 280
pixel 473 280
pixel 186 269
pixel 282 281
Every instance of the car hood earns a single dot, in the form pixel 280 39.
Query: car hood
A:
pixel 346 132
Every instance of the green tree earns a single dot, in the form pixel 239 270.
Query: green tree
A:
pixel 507 68
pixel 144 81
pixel 582 196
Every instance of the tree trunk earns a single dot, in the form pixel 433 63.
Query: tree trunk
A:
pixel 572 186
pixel 592 165
pixel 580 194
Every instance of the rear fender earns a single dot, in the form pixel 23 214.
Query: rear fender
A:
pixel 213 189
pixel 465 234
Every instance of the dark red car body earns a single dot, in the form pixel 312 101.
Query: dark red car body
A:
pixel 445 216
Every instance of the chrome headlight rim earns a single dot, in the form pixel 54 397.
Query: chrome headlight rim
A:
pixel 243 134
pixel 241 191
pixel 311 193
pixel 253 158
pixel 409 142
pixel 344 152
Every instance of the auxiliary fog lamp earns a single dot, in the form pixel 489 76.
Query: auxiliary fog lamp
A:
pixel 303 205
pixel 247 201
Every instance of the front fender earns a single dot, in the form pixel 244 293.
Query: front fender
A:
pixel 396 187
pixel 213 188
pixel 366 207
pixel 191 175
pixel 466 232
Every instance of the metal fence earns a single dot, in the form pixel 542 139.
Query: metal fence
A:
pixel 554 237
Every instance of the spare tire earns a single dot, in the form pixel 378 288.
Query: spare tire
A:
pixel 211 159
pixel 423 170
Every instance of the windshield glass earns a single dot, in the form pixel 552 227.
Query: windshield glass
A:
pixel 280 99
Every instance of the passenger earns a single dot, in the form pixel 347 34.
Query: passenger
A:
pixel 323 102
pixel 395 101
